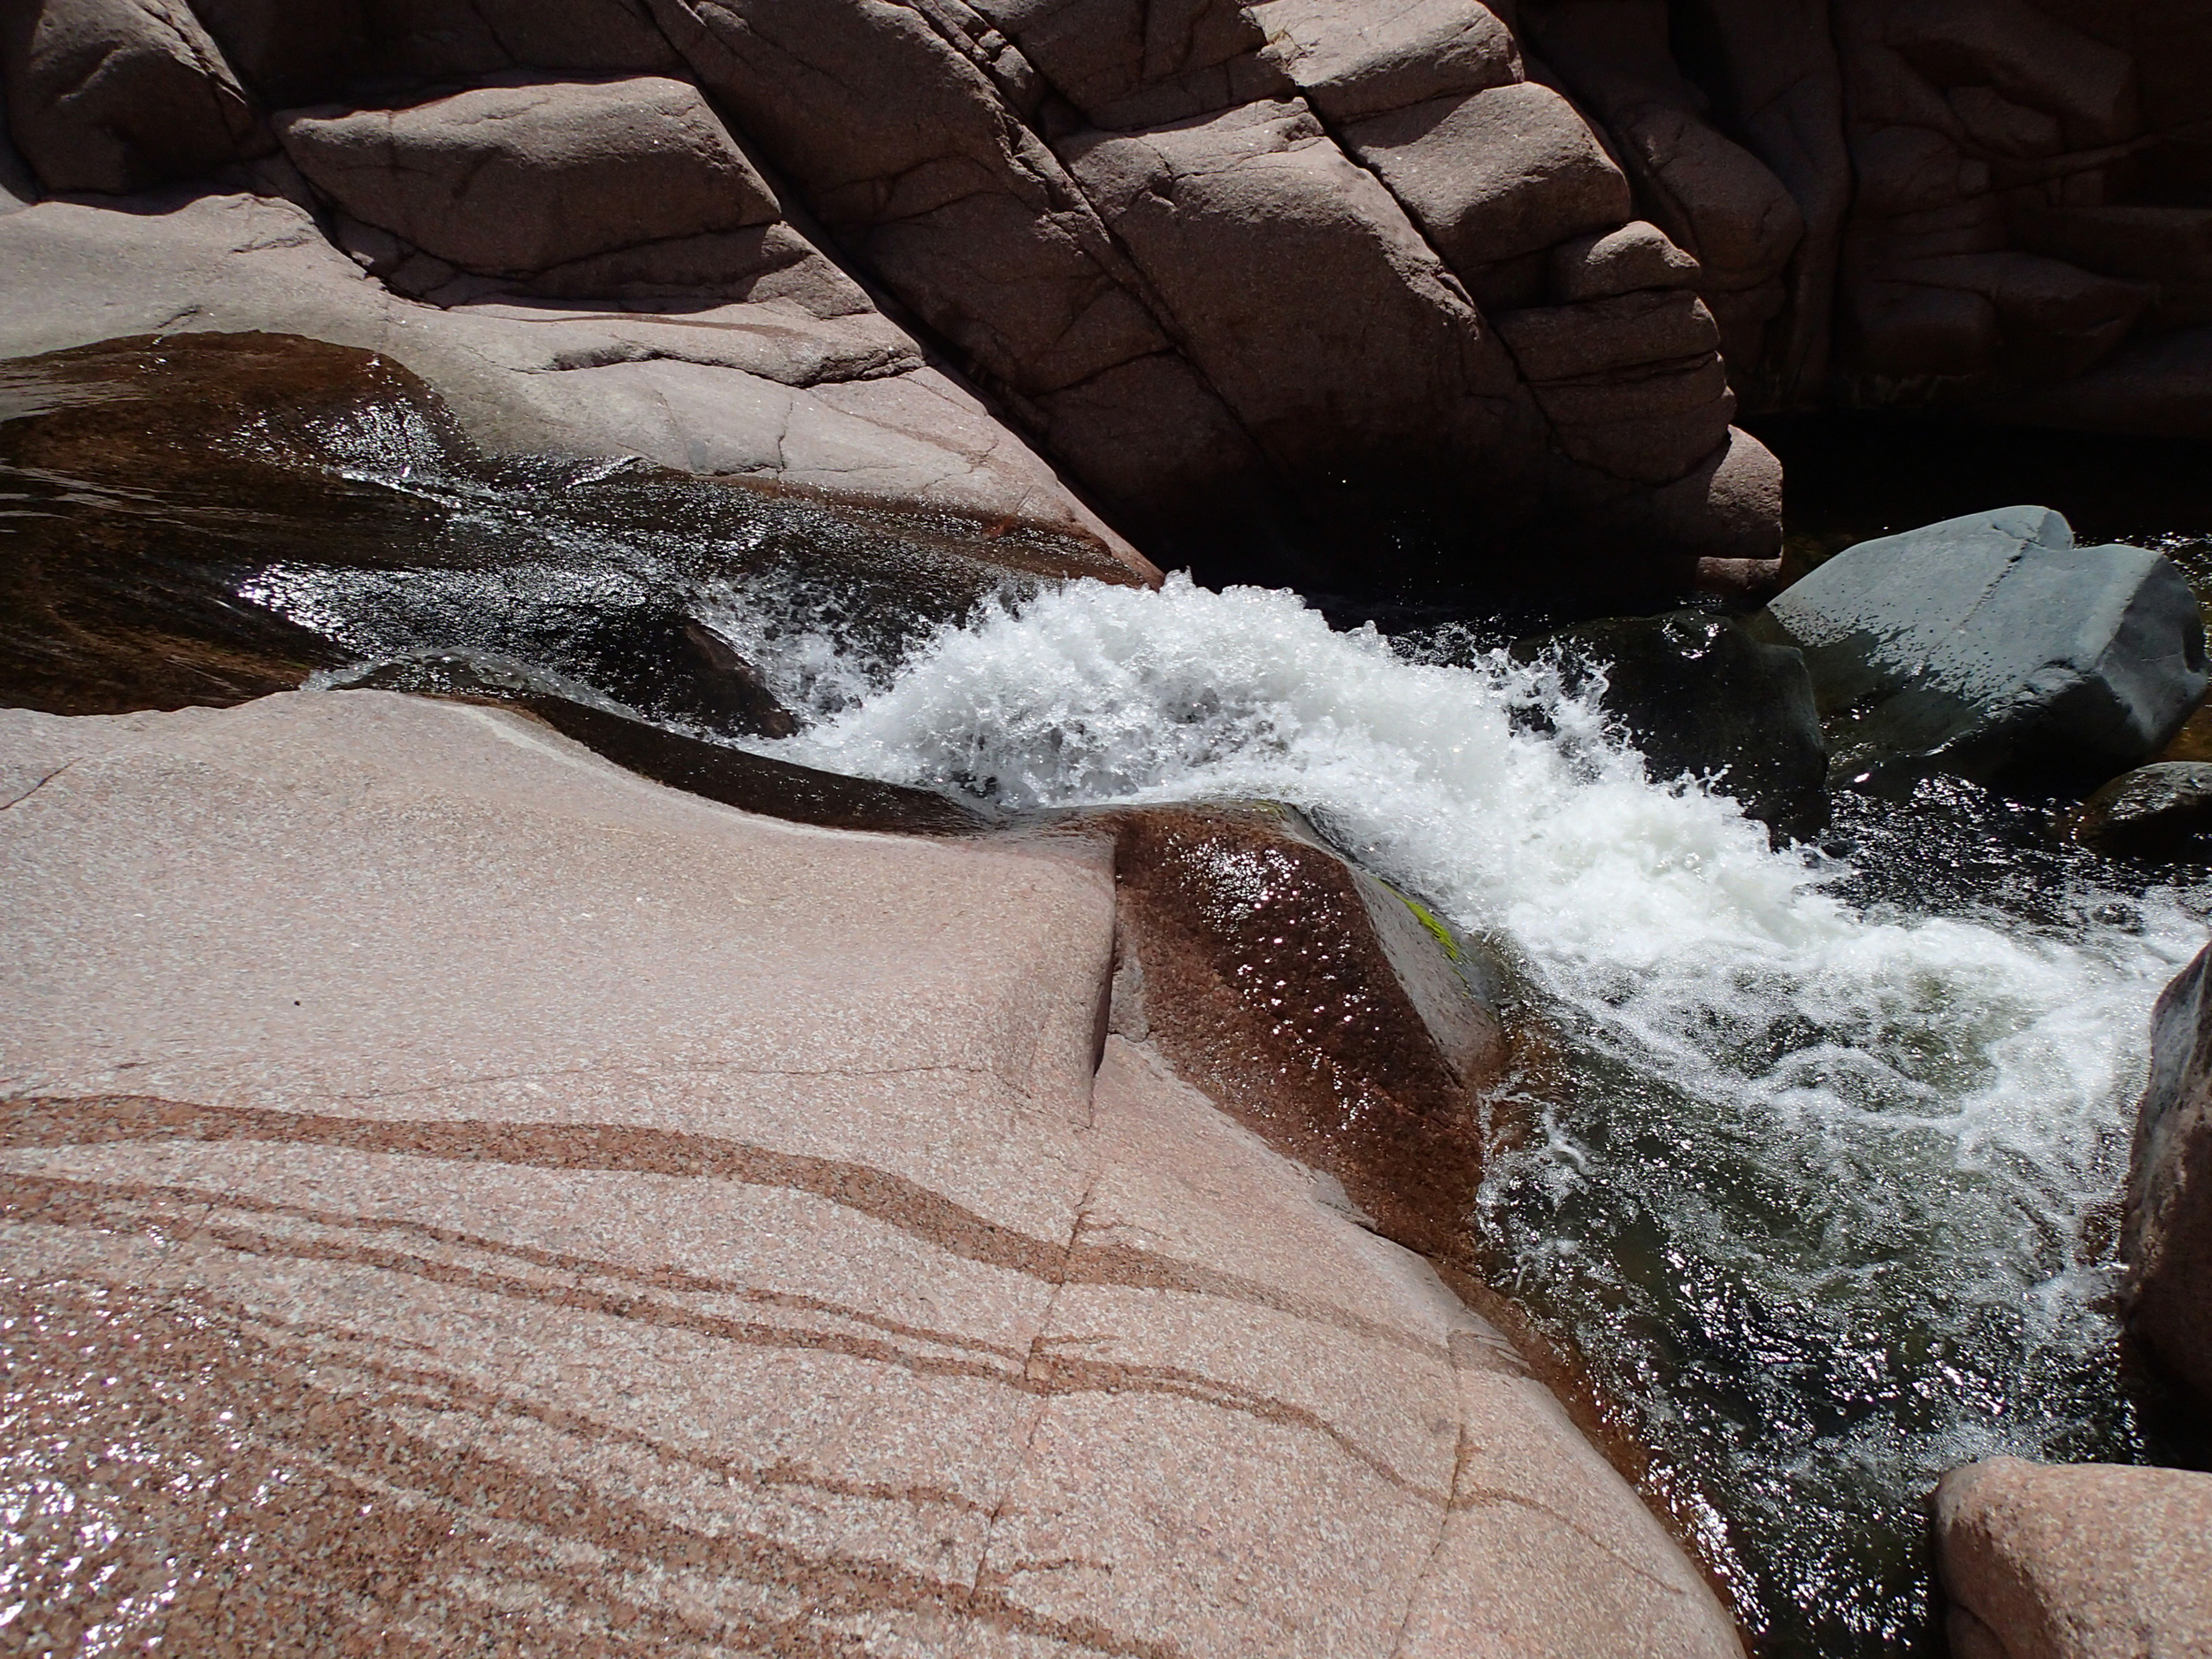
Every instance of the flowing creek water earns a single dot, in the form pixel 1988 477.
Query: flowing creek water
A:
pixel 1830 1204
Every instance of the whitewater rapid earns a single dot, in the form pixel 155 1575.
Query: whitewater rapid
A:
pixel 1826 1209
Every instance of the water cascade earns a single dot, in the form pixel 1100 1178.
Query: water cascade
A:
pixel 1828 1208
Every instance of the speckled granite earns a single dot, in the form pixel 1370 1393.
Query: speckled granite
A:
pixel 460 1198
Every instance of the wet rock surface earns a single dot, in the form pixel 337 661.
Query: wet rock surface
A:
pixel 2159 811
pixel 1698 694
pixel 1992 648
pixel 214 517
pixel 1345 1023
pixel 2075 1561
pixel 2166 1238
pixel 730 1233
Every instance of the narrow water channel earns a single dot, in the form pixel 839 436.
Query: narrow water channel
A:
pixel 1829 1203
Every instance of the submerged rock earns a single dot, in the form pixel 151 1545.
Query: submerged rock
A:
pixel 2157 811
pixel 1992 647
pixel 1699 695
pixel 2166 1238
pixel 2083 1561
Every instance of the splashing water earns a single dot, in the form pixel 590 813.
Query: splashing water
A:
pixel 1824 1211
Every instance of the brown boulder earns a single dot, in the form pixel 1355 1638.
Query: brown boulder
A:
pixel 116 96
pixel 1493 175
pixel 545 1210
pixel 1350 59
pixel 1711 196
pixel 293 55
pixel 1632 385
pixel 1302 293
pixel 1346 1026
pixel 509 180
pixel 2083 1561
pixel 906 151
pixel 1139 62
pixel 2166 1241
pixel 1636 256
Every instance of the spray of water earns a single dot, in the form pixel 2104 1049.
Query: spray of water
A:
pixel 1823 1212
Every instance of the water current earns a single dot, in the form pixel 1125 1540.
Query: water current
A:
pixel 1828 1203
pixel 1830 1209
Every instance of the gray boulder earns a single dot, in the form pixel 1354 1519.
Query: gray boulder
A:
pixel 2163 811
pixel 115 96
pixel 507 180
pixel 2080 1561
pixel 1699 695
pixel 1992 647
pixel 2166 1236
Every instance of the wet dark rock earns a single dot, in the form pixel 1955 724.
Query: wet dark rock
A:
pixel 2166 1237
pixel 212 517
pixel 1699 695
pixel 1992 647
pixel 2157 811
pixel 1343 1021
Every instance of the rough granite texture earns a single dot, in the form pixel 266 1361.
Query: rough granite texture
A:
pixel 812 388
pixel 526 1202
pixel 2081 1561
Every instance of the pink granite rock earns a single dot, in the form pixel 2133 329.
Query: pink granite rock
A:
pixel 2081 1561
pixel 529 1204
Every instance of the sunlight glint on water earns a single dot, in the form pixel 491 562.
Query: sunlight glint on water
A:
pixel 1817 1213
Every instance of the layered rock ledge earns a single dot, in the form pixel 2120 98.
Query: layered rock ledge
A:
pixel 497 1198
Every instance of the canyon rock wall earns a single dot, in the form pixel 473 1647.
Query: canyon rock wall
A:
pixel 1264 277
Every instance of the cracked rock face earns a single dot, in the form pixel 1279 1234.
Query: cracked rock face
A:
pixel 798 1266
pixel 1244 271
pixel 512 180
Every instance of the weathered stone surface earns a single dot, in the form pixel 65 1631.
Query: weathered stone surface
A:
pixel 1708 193
pixel 1991 647
pixel 1699 695
pixel 727 1232
pixel 907 154
pixel 2083 1561
pixel 1633 384
pixel 844 405
pixel 1302 293
pixel 1350 59
pixel 510 180
pixel 2157 811
pixel 2166 1239
pixel 117 96
pixel 1139 62
pixel 294 55
pixel 1495 174
pixel 1616 262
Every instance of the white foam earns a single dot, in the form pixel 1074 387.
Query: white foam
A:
pixel 1919 1109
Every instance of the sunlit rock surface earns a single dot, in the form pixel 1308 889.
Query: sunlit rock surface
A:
pixel 2086 1561
pixel 1991 647
pixel 456 1190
